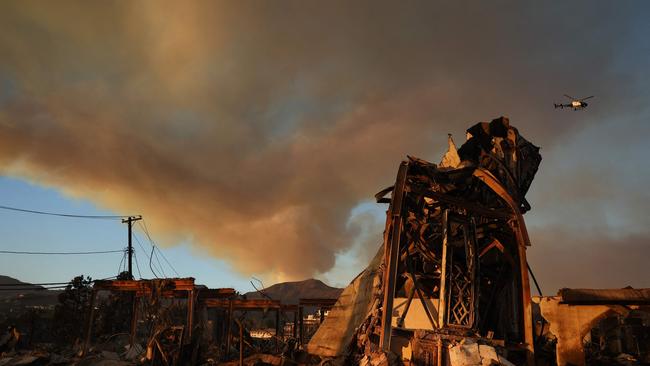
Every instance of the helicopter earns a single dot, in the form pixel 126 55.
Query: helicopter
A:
pixel 575 103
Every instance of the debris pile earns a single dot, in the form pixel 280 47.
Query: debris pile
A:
pixel 453 265
pixel 474 354
pixel 167 321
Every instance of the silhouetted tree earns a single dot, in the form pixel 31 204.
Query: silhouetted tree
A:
pixel 73 309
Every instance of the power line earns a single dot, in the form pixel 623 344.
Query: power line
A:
pixel 155 253
pixel 170 265
pixel 33 284
pixel 153 247
pixel 105 217
pixel 150 257
pixel 119 267
pixel 146 231
pixel 137 265
pixel 51 285
pixel 59 214
pixel 139 243
pixel 141 248
pixel 151 264
pixel 34 288
pixel 59 253
pixel 145 252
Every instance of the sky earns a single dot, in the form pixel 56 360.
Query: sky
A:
pixel 253 135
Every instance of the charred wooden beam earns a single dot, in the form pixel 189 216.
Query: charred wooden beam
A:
pixel 392 248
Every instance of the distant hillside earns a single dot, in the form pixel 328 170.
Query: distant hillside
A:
pixel 291 292
pixel 21 294
pixel 6 280
pixel 16 285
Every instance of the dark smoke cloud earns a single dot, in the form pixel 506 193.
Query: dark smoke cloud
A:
pixel 254 128
pixel 581 259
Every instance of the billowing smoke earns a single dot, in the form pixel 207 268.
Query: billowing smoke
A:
pixel 254 128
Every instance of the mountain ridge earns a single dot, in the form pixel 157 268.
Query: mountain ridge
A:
pixel 19 285
pixel 291 292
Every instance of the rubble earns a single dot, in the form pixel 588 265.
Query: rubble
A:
pixel 379 358
pixel 453 264
pixel 474 354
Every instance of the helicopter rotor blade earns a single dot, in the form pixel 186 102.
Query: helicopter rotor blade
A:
pixel 586 98
pixel 570 97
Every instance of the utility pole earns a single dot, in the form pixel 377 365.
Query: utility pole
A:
pixel 130 220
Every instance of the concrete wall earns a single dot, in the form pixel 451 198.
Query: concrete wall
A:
pixel 571 323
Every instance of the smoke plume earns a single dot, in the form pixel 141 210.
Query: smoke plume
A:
pixel 253 129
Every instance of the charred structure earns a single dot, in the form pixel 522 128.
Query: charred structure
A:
pixel 453 265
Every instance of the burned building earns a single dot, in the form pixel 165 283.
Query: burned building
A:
pixel 597 326
pixel 453 264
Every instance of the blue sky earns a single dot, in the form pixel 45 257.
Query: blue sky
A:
pixel 40 233
pixel 43 233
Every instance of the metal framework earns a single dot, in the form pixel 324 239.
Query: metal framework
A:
pixel 232 305
pixel 180 288
pixel 459 260
pixel 461 278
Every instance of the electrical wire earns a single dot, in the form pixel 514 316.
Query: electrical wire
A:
pixel 59 285
pixel 137 265
pixel 33 284
pixel 143 226
pixel 539 290
pixel 153 247
pixel 119 267
pixel 59 214
pixel 150 257
pixel 145 251
pixel 47 283
pixel 155 253
pixel 160 251
pixel 139 243
pixel 106 217
pixel 34 288
pixel 170 265
pixel 59 253
pixel 24 210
